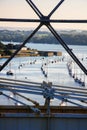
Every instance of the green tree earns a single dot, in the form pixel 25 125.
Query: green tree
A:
pixel 7 52
pixel 2 46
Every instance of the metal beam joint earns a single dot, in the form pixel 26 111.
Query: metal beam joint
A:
pixel 48 93
pixel 45 20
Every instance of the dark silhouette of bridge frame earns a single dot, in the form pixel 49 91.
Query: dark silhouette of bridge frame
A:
pixel 45 20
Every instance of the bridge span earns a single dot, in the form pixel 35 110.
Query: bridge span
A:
pixel 70 109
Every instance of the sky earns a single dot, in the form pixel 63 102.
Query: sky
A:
pixel 70 9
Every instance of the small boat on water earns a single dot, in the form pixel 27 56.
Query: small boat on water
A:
pixel 9 72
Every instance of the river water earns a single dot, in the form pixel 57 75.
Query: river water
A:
pixel 55 67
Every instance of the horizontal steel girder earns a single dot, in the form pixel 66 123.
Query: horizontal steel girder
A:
pixel 44 20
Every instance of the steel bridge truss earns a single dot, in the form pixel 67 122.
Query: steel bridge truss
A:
pixel 72 95
pixel 66 94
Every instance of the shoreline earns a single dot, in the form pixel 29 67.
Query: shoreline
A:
pixel 18 56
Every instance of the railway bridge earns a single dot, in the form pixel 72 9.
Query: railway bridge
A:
pixel 24 116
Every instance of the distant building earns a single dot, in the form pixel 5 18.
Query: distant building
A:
pixel 49 53
pixel 24 48
pixel 58 53
pixel 18 45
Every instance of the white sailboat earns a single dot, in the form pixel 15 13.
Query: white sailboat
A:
pixel 9 72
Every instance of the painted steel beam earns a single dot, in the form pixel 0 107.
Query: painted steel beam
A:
pixel 21 91
pixel 36 110
pixel 56 94
pixel 56 7
pixel 36 10
pixel 21 86
pixel 67 100
pixel 59 90
pixel 73 97
pixel 56 111
pixel 28 99
pixel 19 81
pixel 39 85
pixel 44 20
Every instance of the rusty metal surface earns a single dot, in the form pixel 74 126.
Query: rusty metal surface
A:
pixel 61 118
pixel 53 109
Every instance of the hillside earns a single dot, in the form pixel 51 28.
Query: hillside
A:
pixel 71 37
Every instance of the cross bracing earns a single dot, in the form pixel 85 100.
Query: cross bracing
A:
pixel 66 94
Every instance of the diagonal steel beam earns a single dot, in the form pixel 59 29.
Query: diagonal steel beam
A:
pixel 28 99
pixel 75 103
pixel 67 100
pixel 67 48
pixel 57 6
pixel 36 110
pixel 30 36
pixel 36 10
pixel 14 99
